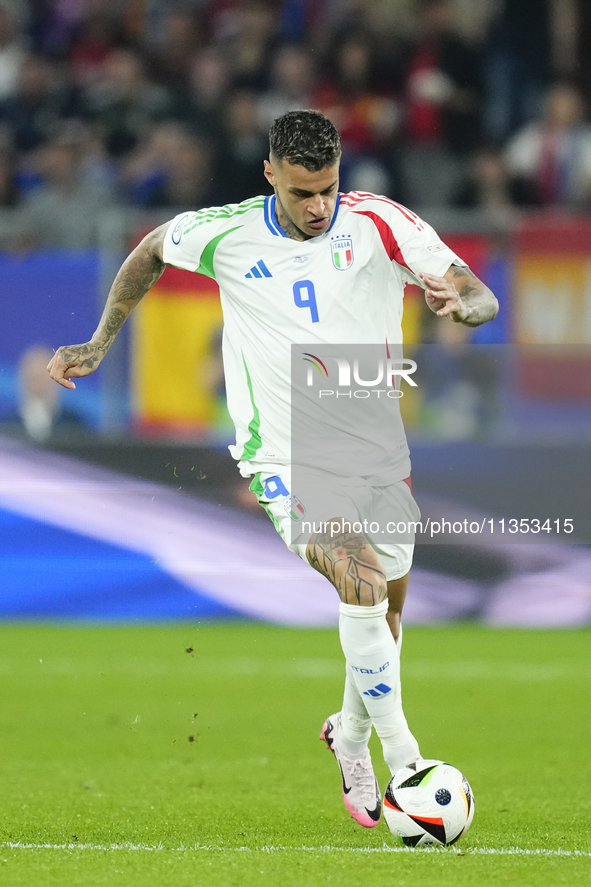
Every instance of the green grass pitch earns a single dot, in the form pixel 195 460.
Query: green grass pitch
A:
pixel 189 755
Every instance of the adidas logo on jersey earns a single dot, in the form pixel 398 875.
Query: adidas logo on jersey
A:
pixel 259 270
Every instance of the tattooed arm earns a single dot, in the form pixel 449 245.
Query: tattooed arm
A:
pixel 140 271
pixel 460 295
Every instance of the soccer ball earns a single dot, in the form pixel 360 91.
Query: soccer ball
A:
pixel 428 803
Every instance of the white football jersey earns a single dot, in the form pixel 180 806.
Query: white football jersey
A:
pixel 343 287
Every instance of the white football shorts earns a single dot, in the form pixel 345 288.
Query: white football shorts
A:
pixel 322 497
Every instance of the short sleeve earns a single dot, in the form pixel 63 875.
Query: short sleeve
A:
pixel 408 240
pixel 192 238
pixel 183 242
pixel 424 251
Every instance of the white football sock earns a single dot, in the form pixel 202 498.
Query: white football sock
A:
pixel 355 721
pixel 373 661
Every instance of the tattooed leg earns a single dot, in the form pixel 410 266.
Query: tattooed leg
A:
pixel 372 686
pixel 350 563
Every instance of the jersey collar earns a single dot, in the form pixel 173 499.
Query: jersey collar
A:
pixel 271 219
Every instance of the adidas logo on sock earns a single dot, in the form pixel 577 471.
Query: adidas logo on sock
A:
pixel 259 270
pixel 379 690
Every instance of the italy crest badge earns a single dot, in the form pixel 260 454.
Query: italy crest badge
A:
pixel 342 252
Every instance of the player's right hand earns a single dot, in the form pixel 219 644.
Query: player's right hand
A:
pixel 74 360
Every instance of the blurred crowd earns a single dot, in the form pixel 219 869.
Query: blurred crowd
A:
pixel 159 103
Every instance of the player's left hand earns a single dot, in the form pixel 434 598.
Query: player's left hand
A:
pixel 443 298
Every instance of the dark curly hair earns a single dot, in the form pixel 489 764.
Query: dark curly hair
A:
pixel 307 138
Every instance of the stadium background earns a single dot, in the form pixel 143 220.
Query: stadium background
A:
pixel 115 116
pixel 165 662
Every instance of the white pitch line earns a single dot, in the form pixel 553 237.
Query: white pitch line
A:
pixel 59 666
pixel 469 851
